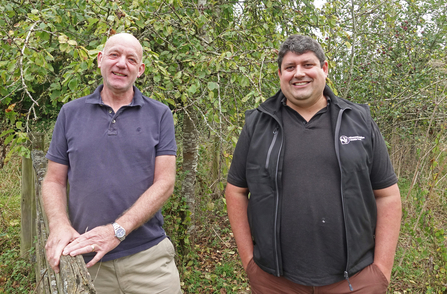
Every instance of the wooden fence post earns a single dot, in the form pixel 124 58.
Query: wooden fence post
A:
pixel 28 202
pixel 73 277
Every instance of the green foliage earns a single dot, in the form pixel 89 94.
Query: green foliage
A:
pixel 176 221
pixel 16 141
pixel 19 270
pixel 391 56
pixel 225 277
pixel 16 272
pixel 421 259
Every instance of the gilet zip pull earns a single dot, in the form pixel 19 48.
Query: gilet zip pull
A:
pixel 347 279
pixel 275 134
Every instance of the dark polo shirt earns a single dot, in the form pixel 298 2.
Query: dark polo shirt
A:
pixel 111 159
pixel 312 227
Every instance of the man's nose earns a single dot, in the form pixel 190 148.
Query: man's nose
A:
pixel 121 61
pixel 299 72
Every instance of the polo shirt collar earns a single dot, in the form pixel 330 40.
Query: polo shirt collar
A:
pixel 284 100
pixel 95 97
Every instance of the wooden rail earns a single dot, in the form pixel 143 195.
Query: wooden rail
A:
pixel 73 277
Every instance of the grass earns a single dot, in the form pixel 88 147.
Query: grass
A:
pixel 421 258
pixel 213 265
pixel 16 272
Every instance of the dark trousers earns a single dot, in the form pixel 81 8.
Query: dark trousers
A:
pixel 370 280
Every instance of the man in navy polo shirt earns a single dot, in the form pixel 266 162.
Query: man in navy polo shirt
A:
pixel 117 150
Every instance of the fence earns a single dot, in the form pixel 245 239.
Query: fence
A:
pixel 73 276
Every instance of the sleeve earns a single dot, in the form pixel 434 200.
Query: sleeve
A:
pixel 166 144
pixel 58 146
pixel 236 174
pixel 382 172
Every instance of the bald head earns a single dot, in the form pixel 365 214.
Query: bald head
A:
pixel 121 64
pixel 124 39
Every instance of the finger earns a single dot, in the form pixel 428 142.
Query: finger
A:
pixel 78 244
pixel 95 259
pixel 55 268
pixel 53 261
pixel 53 251
pixel 87 248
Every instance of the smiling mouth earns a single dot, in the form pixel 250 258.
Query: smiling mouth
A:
pixel 119 74
pixel 300 83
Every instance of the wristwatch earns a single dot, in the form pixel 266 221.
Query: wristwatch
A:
pixel 120 232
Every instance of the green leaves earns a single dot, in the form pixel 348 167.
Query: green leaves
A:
pixel 212 86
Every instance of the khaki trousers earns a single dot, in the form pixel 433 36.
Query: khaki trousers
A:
pixel 370 280
pixel 147 272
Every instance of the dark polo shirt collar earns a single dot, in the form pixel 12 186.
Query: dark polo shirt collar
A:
pixel 95 97
pixel 284 100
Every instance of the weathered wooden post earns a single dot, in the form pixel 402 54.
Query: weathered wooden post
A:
pixel 28 203
pixel 73 277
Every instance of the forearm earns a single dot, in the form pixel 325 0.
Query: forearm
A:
pixel 389 213
pixel 54 197
pixel 237 203
pixel 146 206
pixel 153 198
pixel 55 205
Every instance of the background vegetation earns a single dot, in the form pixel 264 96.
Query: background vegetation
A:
pixel 210 60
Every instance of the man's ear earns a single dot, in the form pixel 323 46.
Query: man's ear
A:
pixel 99 58
pixel 279 72
pixel 141 69
pixel 326 67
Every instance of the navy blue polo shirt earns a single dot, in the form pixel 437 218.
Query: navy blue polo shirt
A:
pixel 111 158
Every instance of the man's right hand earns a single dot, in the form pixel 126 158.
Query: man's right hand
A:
pixel 57 240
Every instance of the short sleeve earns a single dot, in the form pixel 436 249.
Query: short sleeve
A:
pixel 167 144
pixel 236 175
pixel 58 146
pixel 382 172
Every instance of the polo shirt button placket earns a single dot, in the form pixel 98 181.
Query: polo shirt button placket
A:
pixel 112 129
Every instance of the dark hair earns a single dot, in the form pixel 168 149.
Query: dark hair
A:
pixel 300 44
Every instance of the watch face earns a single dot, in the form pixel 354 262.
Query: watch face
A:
pixel 120 233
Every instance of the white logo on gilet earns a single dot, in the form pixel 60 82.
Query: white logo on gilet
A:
pixel 346 140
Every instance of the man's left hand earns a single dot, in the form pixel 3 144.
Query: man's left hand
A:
pixel 100 240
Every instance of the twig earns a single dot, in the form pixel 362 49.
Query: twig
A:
pixel 21 64
pixel 38 283
pixel 12 92
pixel 354 36
pixel 225 243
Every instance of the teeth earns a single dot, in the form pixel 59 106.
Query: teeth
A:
pixel 300 84
pixel 118 74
